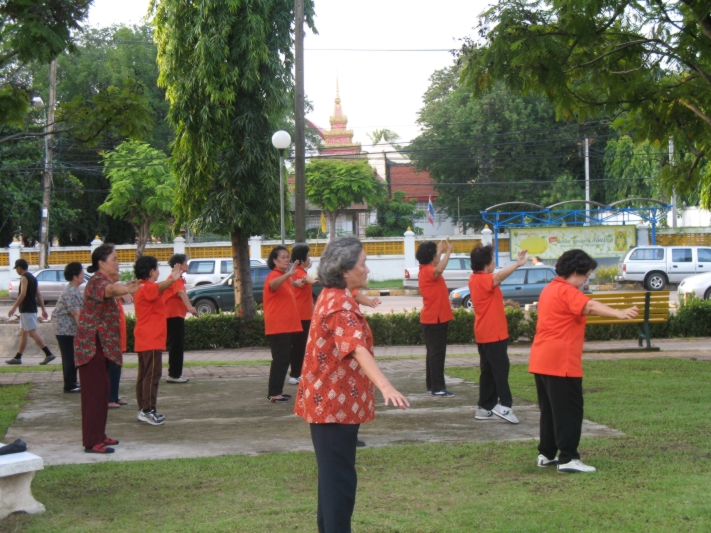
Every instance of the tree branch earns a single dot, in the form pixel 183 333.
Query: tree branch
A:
pixel 24 134
pixel 703 116
pixel 622 47
pixel 705 23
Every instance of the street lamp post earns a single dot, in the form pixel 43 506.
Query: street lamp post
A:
pixel 281 141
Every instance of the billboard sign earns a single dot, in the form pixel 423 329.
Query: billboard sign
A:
pixel 550 243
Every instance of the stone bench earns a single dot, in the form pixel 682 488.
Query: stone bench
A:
pixel 16 473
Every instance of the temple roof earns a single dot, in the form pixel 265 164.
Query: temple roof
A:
pixel 339 139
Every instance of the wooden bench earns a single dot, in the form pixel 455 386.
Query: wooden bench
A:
pixel 16 473
pixel 653 309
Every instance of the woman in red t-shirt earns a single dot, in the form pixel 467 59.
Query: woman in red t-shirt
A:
pixel 436 312
pixel 556 359
pixel 301 284
pixel 491 333
pixel 336 393
pixel 281 319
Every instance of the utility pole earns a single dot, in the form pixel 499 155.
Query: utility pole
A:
pixel 587 181
pixel 299 140
pixel 673 198
pixel 47 177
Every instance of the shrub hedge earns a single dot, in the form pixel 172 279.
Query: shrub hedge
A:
pixel 692 319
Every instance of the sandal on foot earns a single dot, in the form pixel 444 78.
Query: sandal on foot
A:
pixel 108 441
pixel 277 400
pixel 113 405
pixel 99 448
pixel 122 402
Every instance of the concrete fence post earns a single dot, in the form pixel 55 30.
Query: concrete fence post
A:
pixel 410 260
pixel 255 247
pixel 179 245
pixel 96 243
pixel 642 235
pixel 486 236
pixel 14 254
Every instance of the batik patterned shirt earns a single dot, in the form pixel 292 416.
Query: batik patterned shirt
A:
pixel 99 316
pixel 333 387
pixel 63 321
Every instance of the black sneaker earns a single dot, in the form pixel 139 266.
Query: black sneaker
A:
pixel 13 361
pixel 48 359
pixel 360 444
pixel 443 393
pixel 75 390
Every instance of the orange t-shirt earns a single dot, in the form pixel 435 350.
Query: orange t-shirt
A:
pixel 489 317
pixel 435 297
pixel 280 312
pixel 174 306
pixel 303 295
pixel 122 324
pixel 151 327
pixel 558 345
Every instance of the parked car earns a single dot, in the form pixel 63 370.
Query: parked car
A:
pixel 50 282
pixel 455 274
pixel 209 271
pixel 221 296
pixel 523 286
pixel 656 266
pixel 700 285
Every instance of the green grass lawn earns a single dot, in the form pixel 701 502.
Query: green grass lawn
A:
pixel 387 284
pixel 656 478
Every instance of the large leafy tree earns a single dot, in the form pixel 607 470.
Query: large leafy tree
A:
pixel 395 216
pixel 142 189
pixel 334 185
pixel 226 67
pixel 647 62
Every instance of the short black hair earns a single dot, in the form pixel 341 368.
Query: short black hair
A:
pixel 574 262
pixel 101 253
pixel 274 254
pixel 481 256
pixel 300 252
pixel 21 263
pixel 537 258
pixel 144 265
pixel 177 259
pixel 72 270
pixel 426 252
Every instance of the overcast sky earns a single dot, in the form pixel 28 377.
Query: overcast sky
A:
pixel 378 89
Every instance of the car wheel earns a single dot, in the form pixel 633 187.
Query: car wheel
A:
pixel 707 294
pixel 205 307
pixel 655 281
pixel 467 303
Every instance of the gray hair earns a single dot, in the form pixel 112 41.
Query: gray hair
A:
pixel 340 255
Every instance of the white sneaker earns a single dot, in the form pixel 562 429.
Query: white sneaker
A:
pixel 151 417
pixel 294 381
pixel 543 461
pixel 576 466
pixel 483 414
pixel 176 380
pixel 506 413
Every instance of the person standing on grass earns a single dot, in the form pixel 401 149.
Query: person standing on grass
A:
pixel 491 332
pixel 301 284
pixel 336 393
pixel 177 305
pixel 27 301
pixel 64 322
pixel 149 335
pixel 436 311
pixel 281 319
pixel 556 359
pixel 98 341
pixel 115 401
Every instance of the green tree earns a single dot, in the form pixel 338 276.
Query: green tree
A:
pixel 395 215
pixel 648 63
pixel 633 169
pixel 226 66
pixel 334 185
pixel 384 134
pixel 142 189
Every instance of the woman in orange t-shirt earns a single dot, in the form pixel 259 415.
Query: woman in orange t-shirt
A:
pixel 281 319
pixel 491 333
pixel 301 284
pixel 436 312
pixel 556 359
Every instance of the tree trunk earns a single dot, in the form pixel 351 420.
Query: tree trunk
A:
pixel 144 235
pixel 244 297
pixel 332 225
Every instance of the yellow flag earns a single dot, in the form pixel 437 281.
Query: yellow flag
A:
pixel 324 228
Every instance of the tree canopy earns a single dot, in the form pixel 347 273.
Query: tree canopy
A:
pixel 646 63
pixel 395 215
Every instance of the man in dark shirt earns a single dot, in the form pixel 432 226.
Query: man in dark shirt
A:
pixel 27 301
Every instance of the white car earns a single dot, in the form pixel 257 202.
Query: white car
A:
pixel 209 271
pixel 699 285
pixel 656 266
pixel 455 274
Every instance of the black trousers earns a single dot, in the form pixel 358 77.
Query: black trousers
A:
pixel 176 346
pixel 298 348
pixel 281 353
pixel 436 342
pixel 561 403
pixel 494 381
pixel 115 381
pixel 335 447
pixel 66 348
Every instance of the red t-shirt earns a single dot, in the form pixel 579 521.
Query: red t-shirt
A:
pixel 558 345
pixel 280 312
pixel 435 297
pixel 303 295
pixel 334 389
pixel 174 306
pixel 151 327
pixel 489 317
